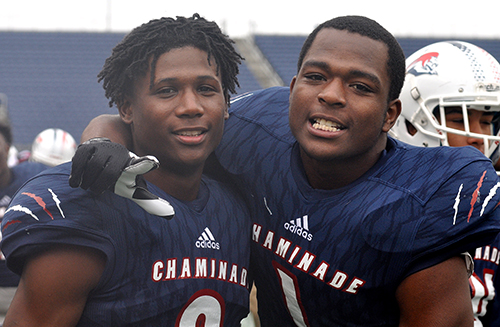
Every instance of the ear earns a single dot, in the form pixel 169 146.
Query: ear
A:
pixel 126 112
pixel 392 114
pixel 292 83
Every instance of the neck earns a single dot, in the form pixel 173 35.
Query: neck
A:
pixel 183 186
pixel 338 173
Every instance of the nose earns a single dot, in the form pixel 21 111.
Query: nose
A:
pixel 333 93
pixel 478 142
pixel 190 105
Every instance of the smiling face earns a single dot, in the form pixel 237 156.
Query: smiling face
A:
pixel 339 108
pixel 180 119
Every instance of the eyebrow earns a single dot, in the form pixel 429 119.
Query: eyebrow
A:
pixel 352 73
pixel 173 79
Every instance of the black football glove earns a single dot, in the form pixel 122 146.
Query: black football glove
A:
pixel 101 165
pixel 97 164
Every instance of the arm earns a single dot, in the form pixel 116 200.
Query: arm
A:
pixel 109 126
pixel 99 165
pixel 54 287
pixel 436 296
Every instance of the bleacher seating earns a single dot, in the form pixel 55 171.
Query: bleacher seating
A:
pixel 246 80
pixel 283 51
pixel 51 78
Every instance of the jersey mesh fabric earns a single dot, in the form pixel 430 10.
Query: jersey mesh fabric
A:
pixel 20 174
pixel 335 258
pixel 158 271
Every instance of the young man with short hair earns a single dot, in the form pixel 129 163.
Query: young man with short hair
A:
pixel 351 227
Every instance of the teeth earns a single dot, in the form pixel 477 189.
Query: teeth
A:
pixel 190 133
pixel 326 125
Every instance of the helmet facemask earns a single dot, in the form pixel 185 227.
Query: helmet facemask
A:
pixel 445 75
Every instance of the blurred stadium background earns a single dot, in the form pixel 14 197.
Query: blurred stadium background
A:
pixel 48 79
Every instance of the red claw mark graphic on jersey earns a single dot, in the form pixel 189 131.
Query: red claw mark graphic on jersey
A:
pixel 40 202
pixel 12 222
pixel 475 195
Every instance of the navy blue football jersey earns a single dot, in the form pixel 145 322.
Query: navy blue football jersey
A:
pixel 20 174
pixel 179 272
pixel 484 281
pixel 336 257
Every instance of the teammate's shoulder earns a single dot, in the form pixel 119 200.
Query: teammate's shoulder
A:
pixel 422 171
pixel 274 92
pixel 25 172
pixel 263 112
pixel 449 159
pixel 54 179
pixel 250 102
pixel 29 167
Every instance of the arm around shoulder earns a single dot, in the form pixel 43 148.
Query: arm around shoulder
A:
pixel 109 126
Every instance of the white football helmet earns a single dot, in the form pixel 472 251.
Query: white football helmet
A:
pixel 52 147
pixel 444 74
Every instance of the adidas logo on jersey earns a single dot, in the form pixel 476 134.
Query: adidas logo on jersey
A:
pixel 207 240
pixel 299 226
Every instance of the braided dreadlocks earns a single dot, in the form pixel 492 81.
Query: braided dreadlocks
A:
pixel 141 48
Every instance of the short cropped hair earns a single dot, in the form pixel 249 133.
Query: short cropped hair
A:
pixel 369 28
pixel 139 51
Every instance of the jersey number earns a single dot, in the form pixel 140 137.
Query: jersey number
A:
pixel 482 291
pixel 206 308
pixel 291 294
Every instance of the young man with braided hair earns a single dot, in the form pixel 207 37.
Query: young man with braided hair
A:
pixel 88 260
pixel 351 227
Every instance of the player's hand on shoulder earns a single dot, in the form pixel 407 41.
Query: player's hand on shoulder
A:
pixel 131 185
pixel 101 165
pixel 97 164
